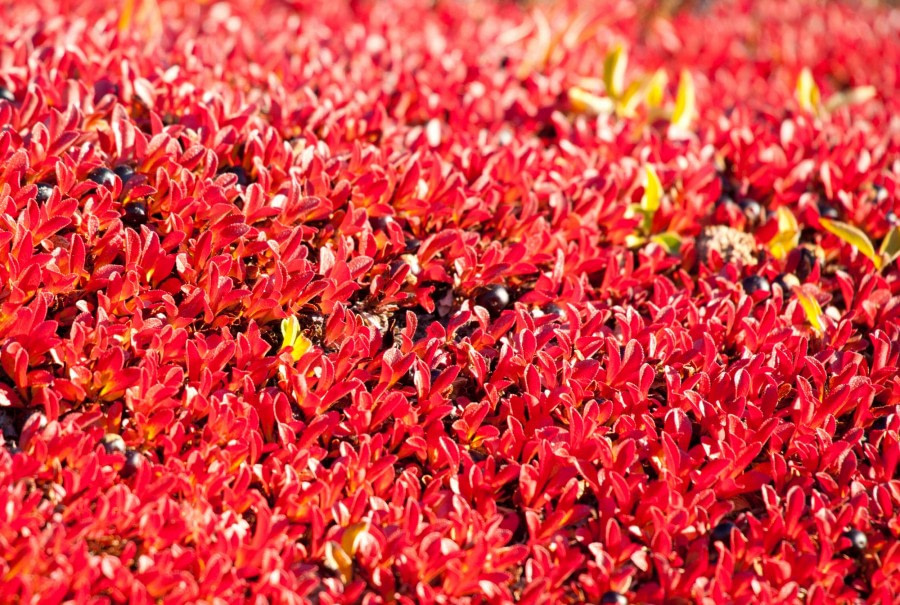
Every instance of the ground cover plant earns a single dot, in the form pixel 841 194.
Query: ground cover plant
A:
pixel 449 302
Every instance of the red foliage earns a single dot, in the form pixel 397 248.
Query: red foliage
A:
pixel 373 310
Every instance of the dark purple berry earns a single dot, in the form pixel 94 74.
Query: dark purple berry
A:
pixel 494 299
pixel 7 95
pixel 133 461
pixel 380 223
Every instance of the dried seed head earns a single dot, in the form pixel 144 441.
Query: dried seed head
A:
pixel 731 244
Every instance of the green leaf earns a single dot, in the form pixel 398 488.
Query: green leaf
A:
pixel 685 102
pixel 890 247
pixel 855 237
pixel 669 240
pixel 614 71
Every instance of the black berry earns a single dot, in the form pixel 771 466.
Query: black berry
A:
pixel 135 214
pixel 753 210
pixel 722 533
pixel 113 444
pixel 880 423
pixel 494 299
pixel 242 178
pixel 613 598
pixel 124 172
pixel 547 132
pixel 44 191
pixel 412 245
pixel 828 211
pixel 380 223
pixel 858 541
pixel 103 176
pixel 806 262
pixel 7 95
pixel 133 461
pixel 786 281
pixel 552 309
pixel 755 283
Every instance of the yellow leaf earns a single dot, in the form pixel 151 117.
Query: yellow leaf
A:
pixel 685 102
pixel 890 247
pixel 293 337
pixel 811 308
pixel 352 535
pixel 652 191
pixel 808 95
pixel 125 17
pixel 630 99
pixel 854 96
pixel 144 14
pixel 656 88
pixel 855 237
pixel 788 236
pixel 633 240
pixel 614 71
pixel 337 559
pixel 585 102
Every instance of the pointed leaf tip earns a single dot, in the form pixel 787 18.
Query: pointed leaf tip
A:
pixel 652 191
pixel 614 71
pixel 685 102
pixel 855 237
pixel 807 92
